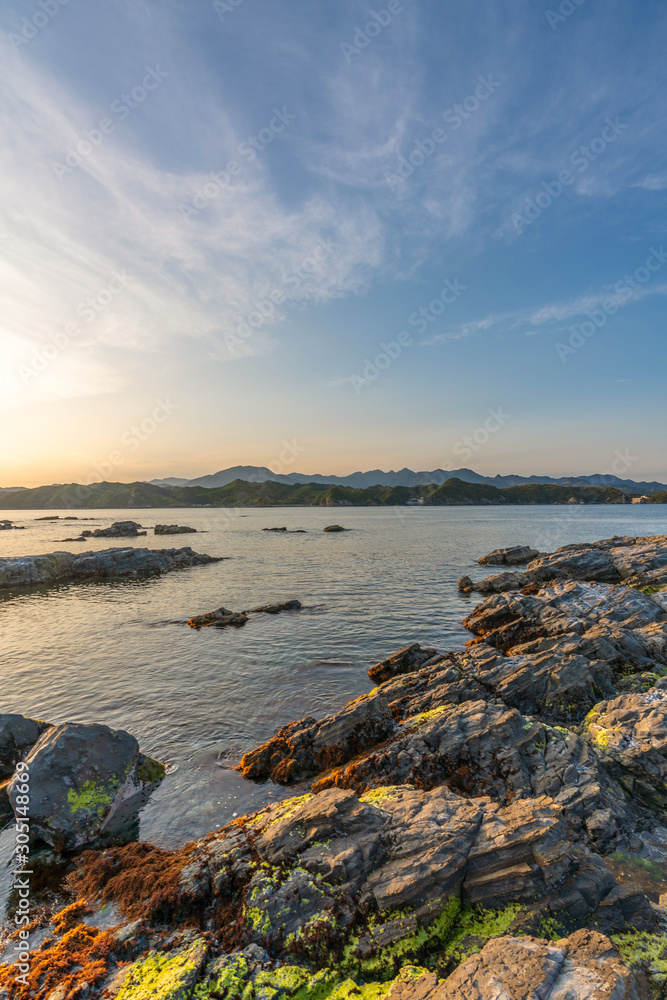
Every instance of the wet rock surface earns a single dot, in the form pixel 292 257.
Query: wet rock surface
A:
pixel 223 616
pixel 83 780
pixel 17 736
pixel 467 830
pixel 108 564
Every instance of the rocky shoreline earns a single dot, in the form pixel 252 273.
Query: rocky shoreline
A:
pixel 107 564
pixel 488 823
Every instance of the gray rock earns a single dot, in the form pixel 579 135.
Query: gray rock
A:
pixel 404 661
pixel 638 561
pixel 514 556
pixel 219 618
pixel 584 966
pixel 85 780
pixel 631 730
pixel 305 748
pixel 17 736
pixel 174 529
pixel 108 564
pixel 119 529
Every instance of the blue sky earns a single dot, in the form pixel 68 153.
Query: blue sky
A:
pixel 215 218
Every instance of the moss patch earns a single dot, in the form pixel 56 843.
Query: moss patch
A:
pixel 93 799
pixel 473 928
pixel 150 771
pixel 164 975
pixel 643 948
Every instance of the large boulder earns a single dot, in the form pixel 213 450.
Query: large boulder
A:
pixel 85 780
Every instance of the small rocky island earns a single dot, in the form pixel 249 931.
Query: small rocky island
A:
pixel 107 564
pixel 489 823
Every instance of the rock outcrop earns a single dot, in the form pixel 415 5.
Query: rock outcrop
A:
pixel 636 561
pixel 9 525
pixel 108 564
pixel 335 527
pixel 514 556
pixel 119 529
pixel 584 966
pixel 174 529
pixel 223 616
pixel 85 780
pixel 480 826
pixel 305 748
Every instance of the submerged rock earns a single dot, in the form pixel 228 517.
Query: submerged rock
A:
pixel 223 616
pixel 174 529
pixel 108 564
pixel 219 618
pixel 85 780
pixel 275 609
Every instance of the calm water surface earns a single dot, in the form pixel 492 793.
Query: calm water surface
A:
pixel 121 654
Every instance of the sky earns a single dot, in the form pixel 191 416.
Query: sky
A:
pixel 324 237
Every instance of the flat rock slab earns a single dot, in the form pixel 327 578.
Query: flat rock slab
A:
pixel 108 564
pixel 174 529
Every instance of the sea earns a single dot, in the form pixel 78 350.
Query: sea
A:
pixel 122 653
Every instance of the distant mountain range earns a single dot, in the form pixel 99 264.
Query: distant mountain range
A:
pixel 241 493
pixel 404 477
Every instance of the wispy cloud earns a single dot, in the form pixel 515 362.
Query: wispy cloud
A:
pixel 119 211
pixel 530 321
